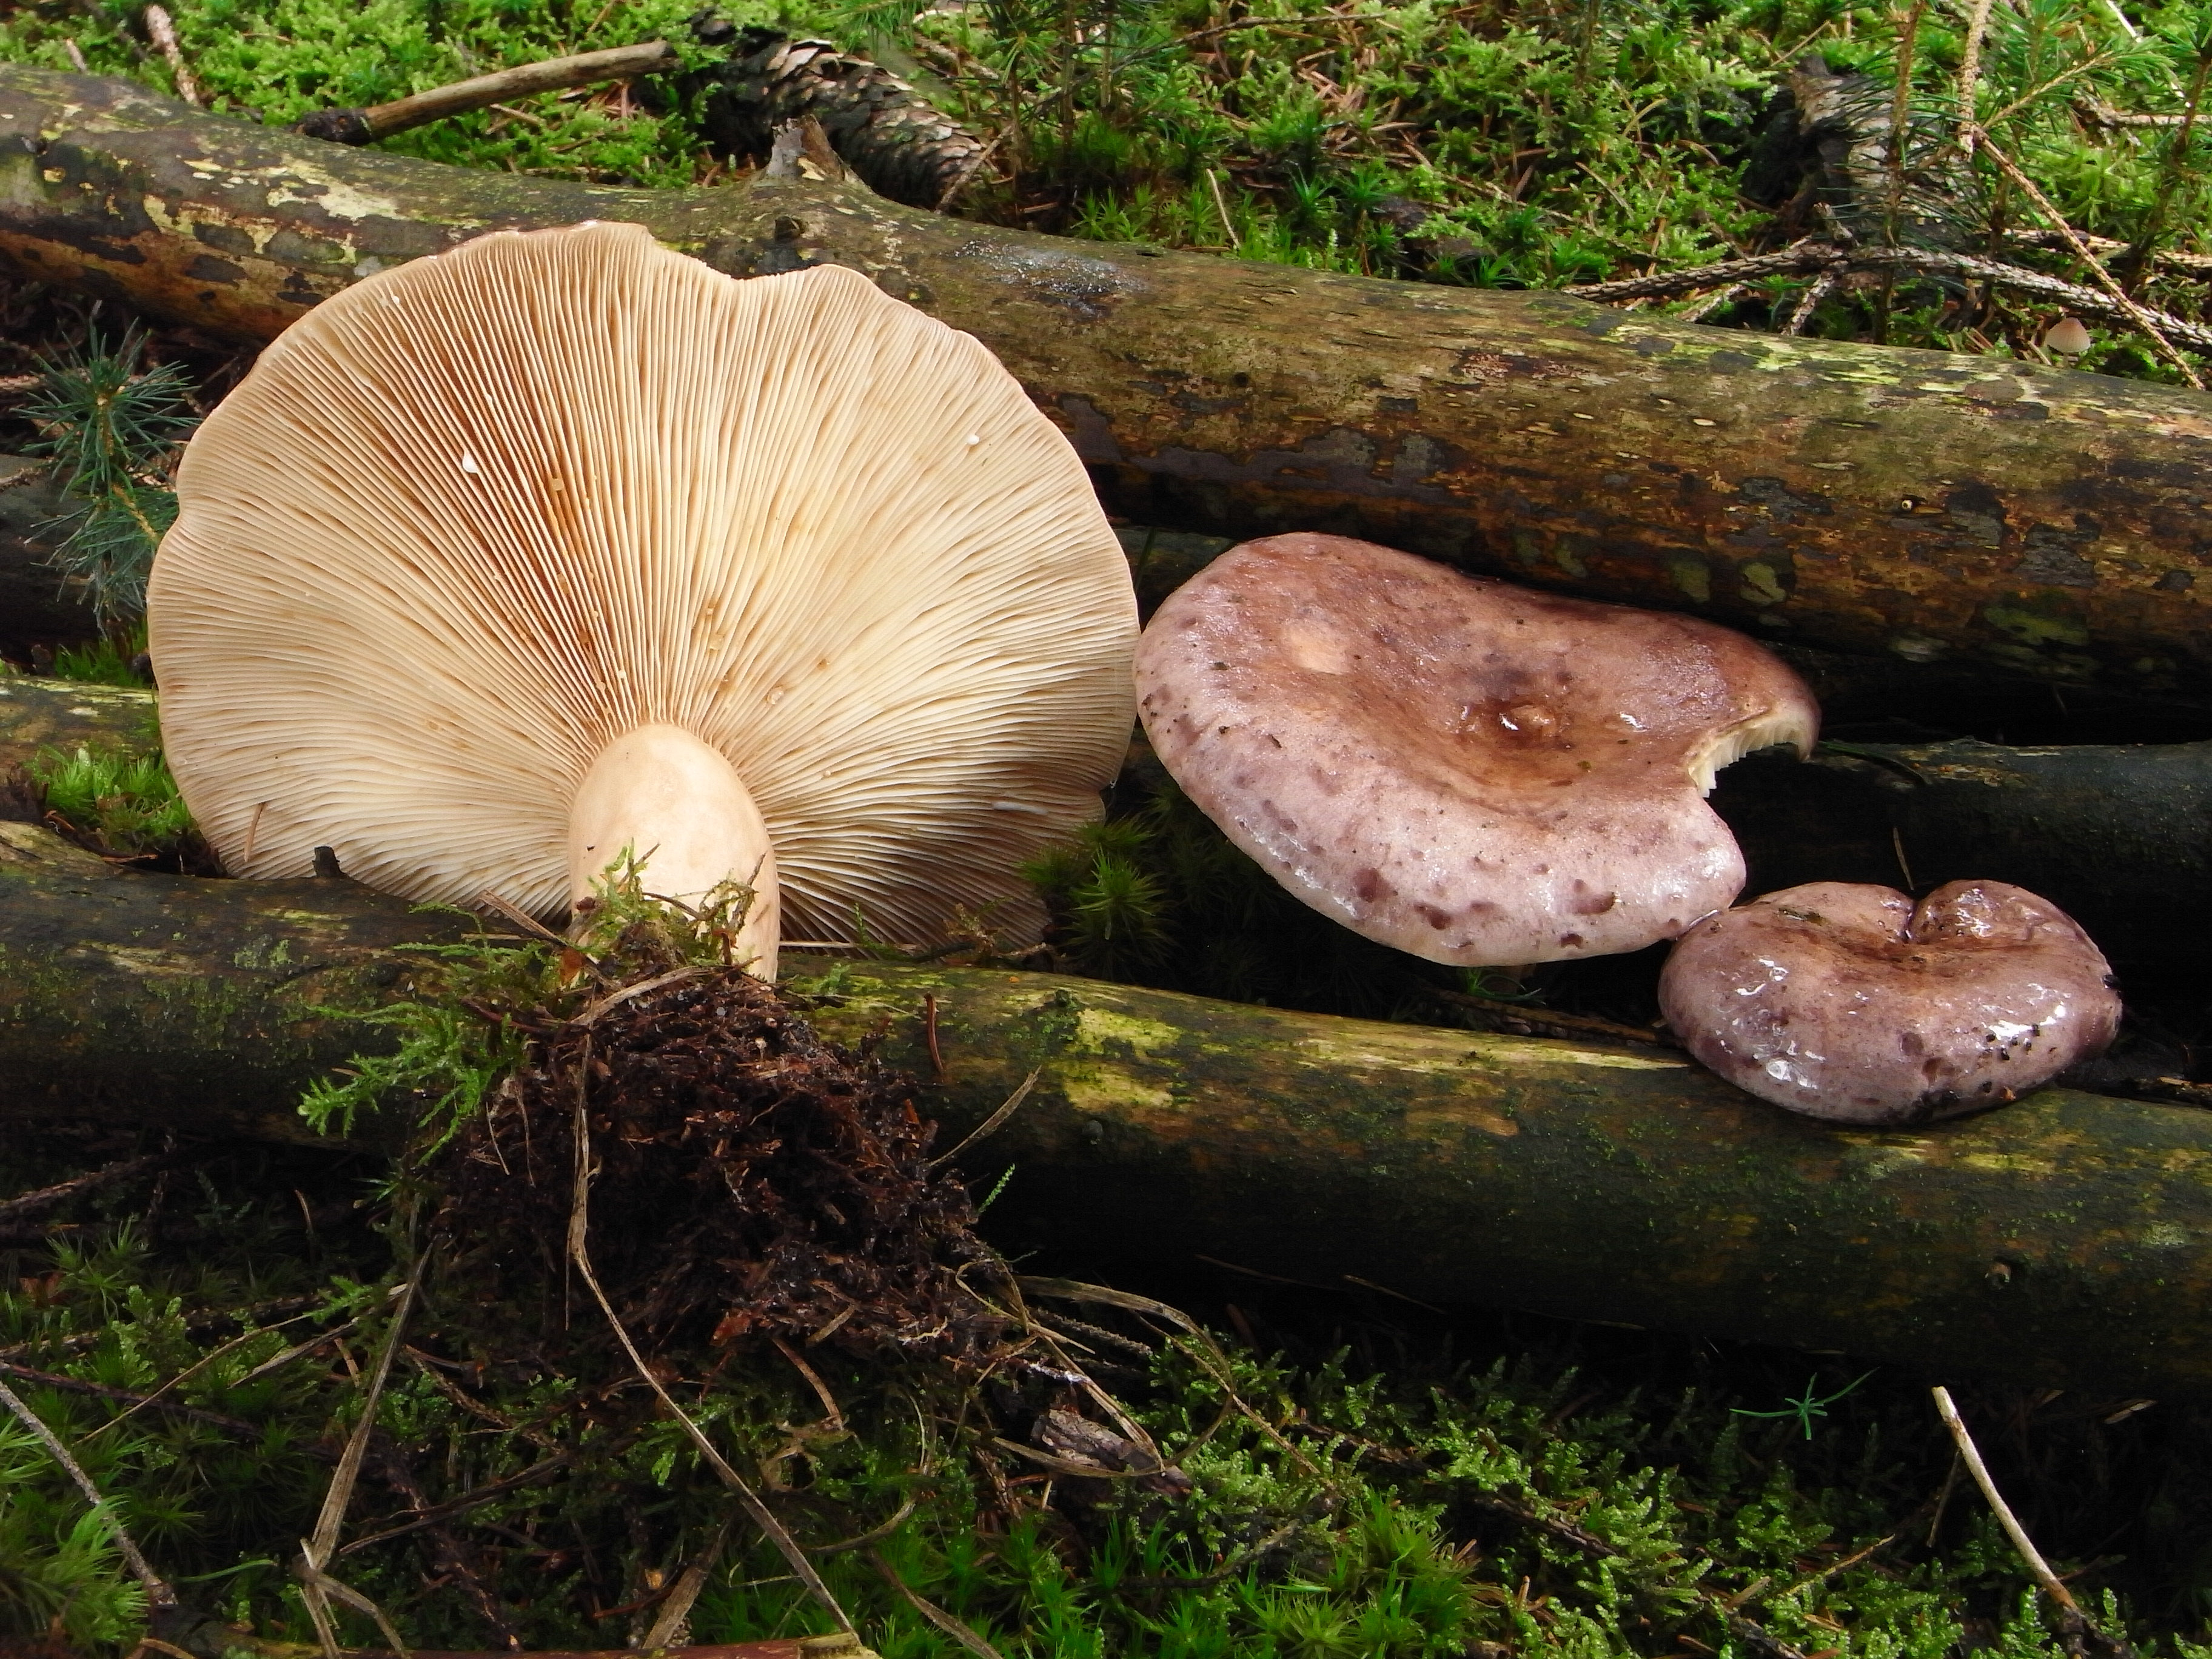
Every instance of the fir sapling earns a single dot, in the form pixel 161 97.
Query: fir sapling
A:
pixel 111 425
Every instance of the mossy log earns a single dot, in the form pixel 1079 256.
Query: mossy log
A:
pixel 2067 1238
pixel 1869 498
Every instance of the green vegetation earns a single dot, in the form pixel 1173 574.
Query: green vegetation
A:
pixel 1157 895
pixel 111 425
pixel 456 1042
pixel 1598 1504
pixel 125 803
pixel 274 60
pixel 105 661
pixel 1551 142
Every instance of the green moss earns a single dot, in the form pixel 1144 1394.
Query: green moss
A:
pixel 128 802
pixel 1558 1509
pixel 274 60
pixel 104 662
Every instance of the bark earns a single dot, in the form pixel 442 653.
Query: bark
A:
pixel 1868 498
pixel 36 604
pixel 39 713
pixel 200 1004
pixel 2065 1239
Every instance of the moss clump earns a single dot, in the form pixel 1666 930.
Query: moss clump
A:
pixel 120 802
pixel 105 662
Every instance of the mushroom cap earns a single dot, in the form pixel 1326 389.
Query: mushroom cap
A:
pixel 2068 335
pixel 1470 771
pixel 1854 1004
pixel 470 521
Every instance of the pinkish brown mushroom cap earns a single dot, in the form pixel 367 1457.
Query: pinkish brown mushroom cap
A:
pixel 1854 1004
pixel 1469 771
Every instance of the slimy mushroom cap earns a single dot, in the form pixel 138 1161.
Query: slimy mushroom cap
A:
pixel 1853 1002
pixel 1466 770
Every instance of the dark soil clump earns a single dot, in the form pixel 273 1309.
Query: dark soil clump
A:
pixel 749 1180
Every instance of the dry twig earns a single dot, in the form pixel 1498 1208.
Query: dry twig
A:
pixel 672 1624
pixel 2079 1635
pixel 584 69
pixel 2140 317
pixel 317 1588
pixel 27 1204
pixel 158 1593
pixel 1970 72
pixel 161 30
pixel 1814 258
pixel 1818 289
pixel 991 1123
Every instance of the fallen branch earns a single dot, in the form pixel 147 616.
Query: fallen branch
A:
pixel 45 1198
pixel 2196 264
pixel 1745 477
pixel 2120 835
pixel 1450 1166
pixel 585 69
pixel 1827 260
pixel 2106 115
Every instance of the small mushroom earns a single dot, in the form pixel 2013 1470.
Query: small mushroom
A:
pixel 559 543
pixel 1470 771
pixel 1852 1002
pixel 2068 338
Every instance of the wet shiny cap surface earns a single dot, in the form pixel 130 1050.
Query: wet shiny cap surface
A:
pixel 1854 1004
pixel 1473 772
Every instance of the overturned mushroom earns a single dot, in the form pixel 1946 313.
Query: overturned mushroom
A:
pixel 1854 1004
pixel 1470 771
pixel 506 560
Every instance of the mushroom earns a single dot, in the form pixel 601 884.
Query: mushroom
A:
pixel 2067 337
pixel 1854 1004
pixel 1470 771
pixel 505 561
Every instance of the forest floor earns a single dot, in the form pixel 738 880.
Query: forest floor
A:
pixel 1338 1472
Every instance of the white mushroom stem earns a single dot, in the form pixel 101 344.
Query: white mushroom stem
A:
pixel 679 805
